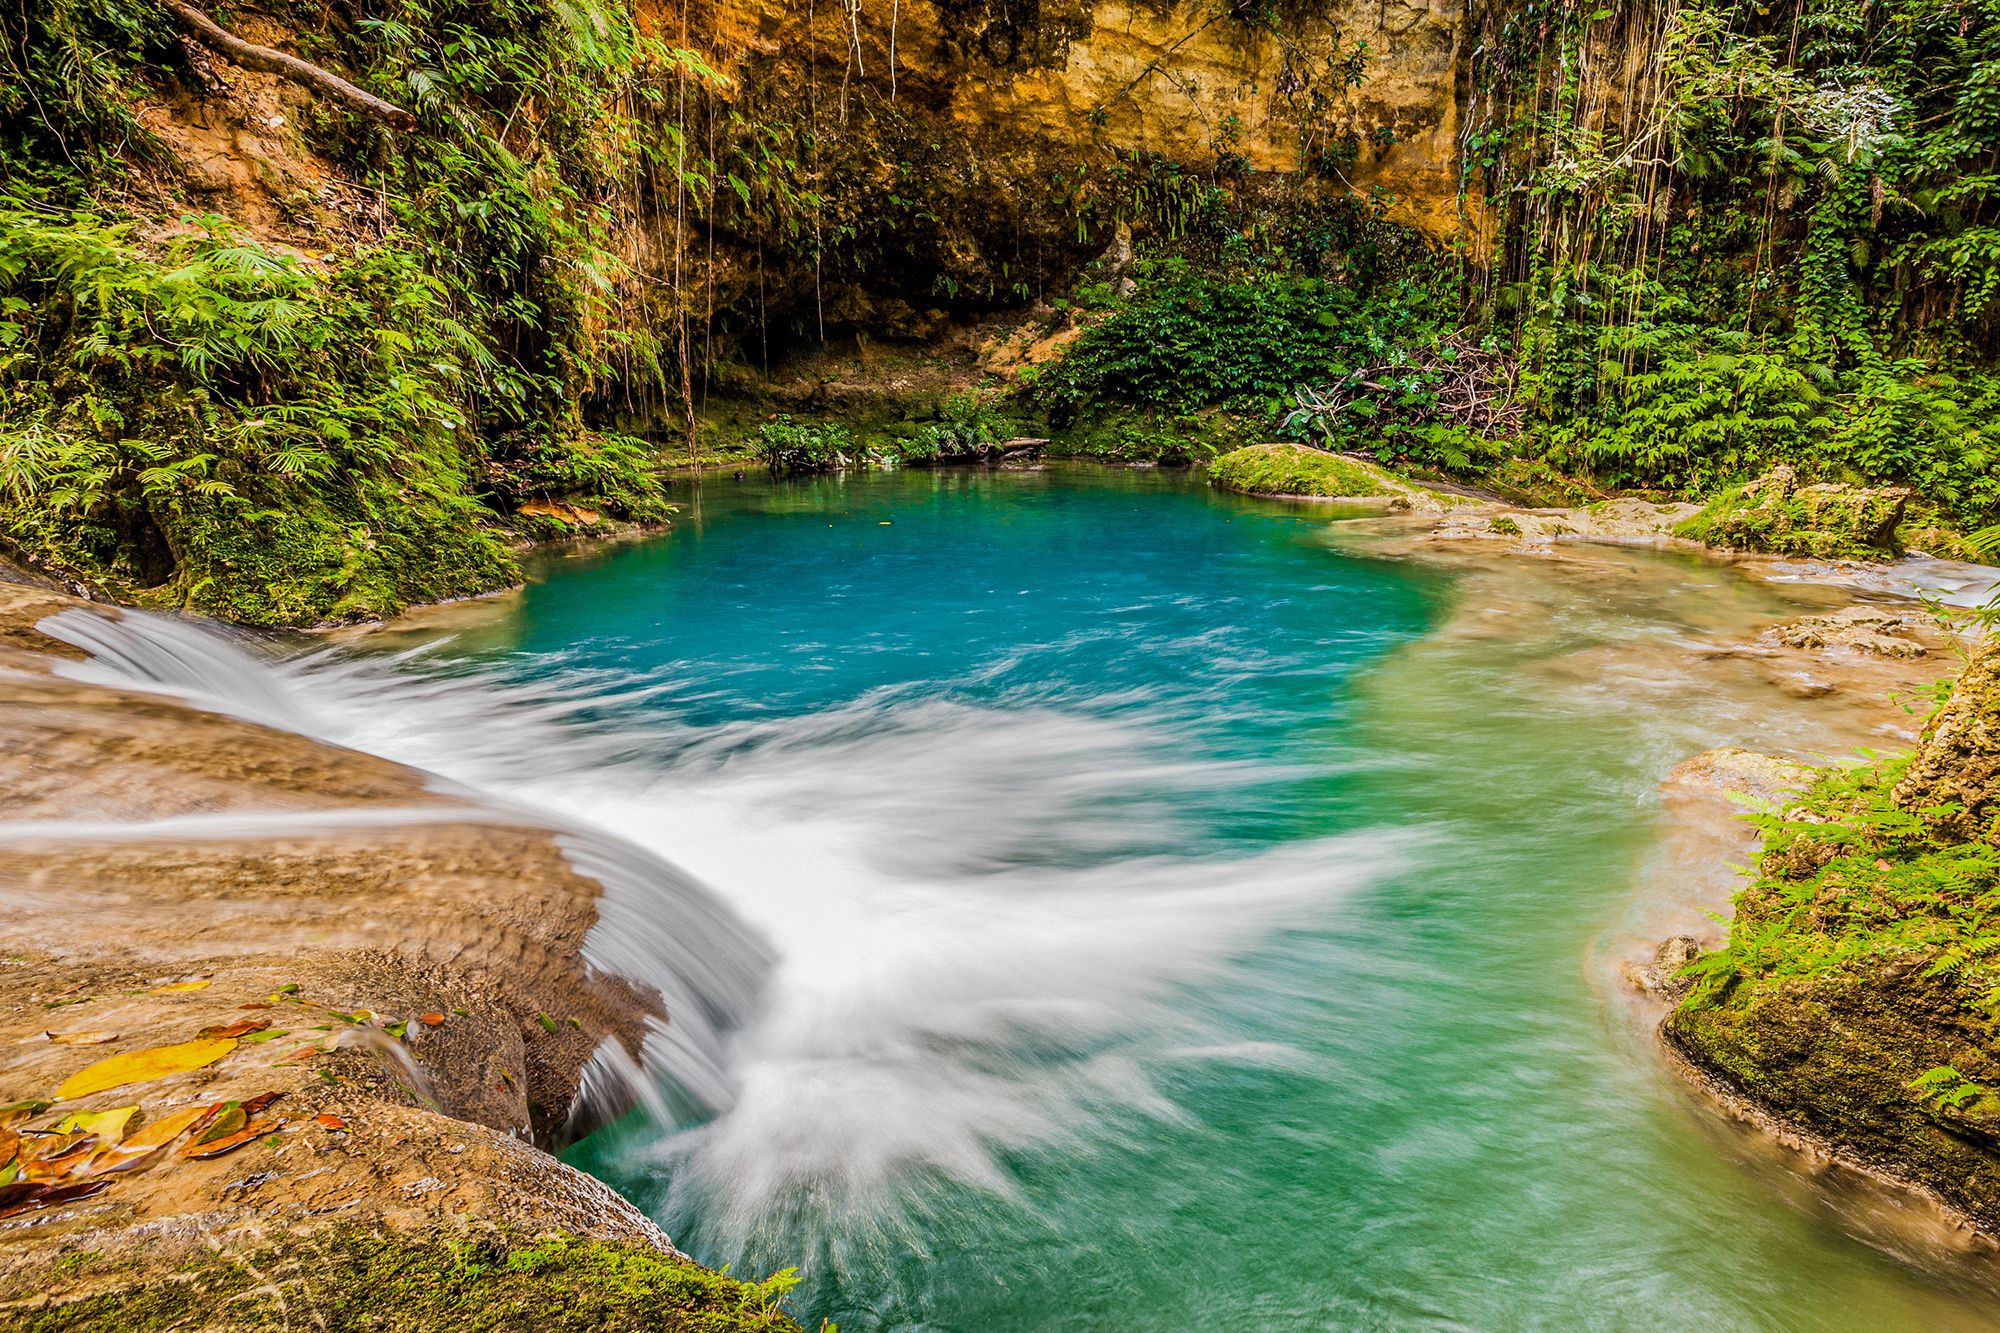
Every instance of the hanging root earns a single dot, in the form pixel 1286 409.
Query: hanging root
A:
pixel 265 60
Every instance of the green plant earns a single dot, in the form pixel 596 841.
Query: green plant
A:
pixel 789 447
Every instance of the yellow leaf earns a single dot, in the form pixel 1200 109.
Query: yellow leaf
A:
pixel 109 1126
pixel 138 1066
pixel 177 987
pixel 166 1129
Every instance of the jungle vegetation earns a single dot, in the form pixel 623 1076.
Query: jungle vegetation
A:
pixel 1702 238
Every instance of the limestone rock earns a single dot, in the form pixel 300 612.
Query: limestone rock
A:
pixel 1827 521
pixel 1659 976
pixel 1958 760
pixel 1867 629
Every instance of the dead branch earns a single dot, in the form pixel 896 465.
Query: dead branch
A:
pixel 1467 385
pixel 266 60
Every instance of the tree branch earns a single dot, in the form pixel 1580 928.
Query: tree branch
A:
pixel 251 56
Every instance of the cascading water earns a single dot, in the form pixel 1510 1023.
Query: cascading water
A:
pixel 656 925
pixel 1164 921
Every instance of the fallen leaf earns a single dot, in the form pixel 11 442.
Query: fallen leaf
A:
pixel 147 1142
pixel 240 1028
pixel 229 1120
pixel 56 1165
pixel 107 1125
pixel 255 1106
pixel 139 1066
pixel 51 1196
pixel 256 1004
pixel 179 986
pixel 80 1038
pixel 264 1034
pixel 15 1112
pixel 298 1057
pixel 430 1020
pixel 328 1121
pixel 202 1152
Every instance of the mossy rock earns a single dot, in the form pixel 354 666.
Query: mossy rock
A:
pixel 1822 522
pixel 355 1278
pixel 1293 469
pixel 1841 1054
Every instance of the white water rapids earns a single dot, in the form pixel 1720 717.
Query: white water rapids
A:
pixel 976 941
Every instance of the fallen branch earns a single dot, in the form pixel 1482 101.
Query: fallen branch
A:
pixel 262 58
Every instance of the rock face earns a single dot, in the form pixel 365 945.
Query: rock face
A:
pixel 1958 761
pixel 1823 522
pixel 392 977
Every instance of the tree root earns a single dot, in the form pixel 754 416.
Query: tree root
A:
pixel 266 60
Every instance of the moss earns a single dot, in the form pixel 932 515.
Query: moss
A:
pixel 1293 469
pixel 353 1278
pixel 1506 527
pixel 1824 522
pixel 1858 990
pixel 1144 436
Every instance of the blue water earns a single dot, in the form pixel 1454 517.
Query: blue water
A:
pixel 1187 916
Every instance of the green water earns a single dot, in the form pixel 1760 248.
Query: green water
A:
pixel 1189 916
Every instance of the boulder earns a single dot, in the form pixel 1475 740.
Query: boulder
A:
pixel 1826 521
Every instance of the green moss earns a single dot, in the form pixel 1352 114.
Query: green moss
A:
pixel 1857 992
pixel 1827 522
pixel 1293 469
pixel 355 1279
pixel 1151 436
pixel 1507 527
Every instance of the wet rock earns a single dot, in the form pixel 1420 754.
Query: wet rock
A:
pixel 1867 629
pixel 1827 521
pixel 1660 977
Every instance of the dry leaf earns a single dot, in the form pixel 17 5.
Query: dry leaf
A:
pixel 329 1121
pixel 54 1165
pixel 14 1113
pixel 430 1020
pixel 241 1028
pixel 256 1004
pixel 146 1143
pixel 229 1120
pixel 178 987
pixel 80 1038
pixel 46 1196
pixel 139 1066
pixel 256 1106
pixel 202 1152
pixel 108 1126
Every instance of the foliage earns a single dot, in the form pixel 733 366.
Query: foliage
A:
pixel 968 424
pixel 789 447
pixel 1191 338
pixel 250 435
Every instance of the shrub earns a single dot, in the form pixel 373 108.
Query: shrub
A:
pixel 791 447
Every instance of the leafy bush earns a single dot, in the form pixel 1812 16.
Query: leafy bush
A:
pixel 790 447
pixel 1189 339
pixel 968 423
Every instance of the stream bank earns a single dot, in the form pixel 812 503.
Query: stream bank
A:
pixel 379 987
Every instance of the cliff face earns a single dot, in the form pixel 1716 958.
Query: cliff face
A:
pixel 1087 79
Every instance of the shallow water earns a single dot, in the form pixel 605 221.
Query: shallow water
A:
pixel 1185 914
